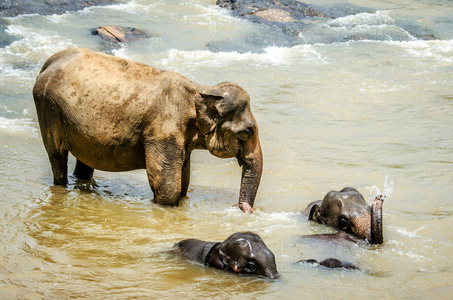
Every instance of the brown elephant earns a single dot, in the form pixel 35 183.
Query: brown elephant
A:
pixel 348 211
pixel 114 114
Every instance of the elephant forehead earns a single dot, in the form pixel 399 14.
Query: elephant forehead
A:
pixel 235 104
pixel 245 247
pixel 353 201
pixel 333 203
pixel 353 207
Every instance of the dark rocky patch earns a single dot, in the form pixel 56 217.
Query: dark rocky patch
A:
pixel 12 8
pixel 111 34
pixel 289 20
pixel 288 16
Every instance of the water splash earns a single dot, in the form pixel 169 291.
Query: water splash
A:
pixel 386 193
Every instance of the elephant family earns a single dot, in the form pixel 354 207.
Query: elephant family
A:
pixel 243 253
pixel 114 114
pixel 348 211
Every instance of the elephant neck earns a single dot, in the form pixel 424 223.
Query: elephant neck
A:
pixel 198 141
pixel 208 250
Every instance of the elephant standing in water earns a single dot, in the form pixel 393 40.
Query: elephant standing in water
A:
pixel 348 211
pixel 114 114
pixel 243 253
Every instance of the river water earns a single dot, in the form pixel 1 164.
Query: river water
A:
pixel 365 100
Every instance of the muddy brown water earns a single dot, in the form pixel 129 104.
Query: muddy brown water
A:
pixel 373 113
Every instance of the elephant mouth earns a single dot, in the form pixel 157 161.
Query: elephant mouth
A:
pixel 368 225
pixel 222 145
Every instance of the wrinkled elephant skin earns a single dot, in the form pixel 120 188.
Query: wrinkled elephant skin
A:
pixel 114 114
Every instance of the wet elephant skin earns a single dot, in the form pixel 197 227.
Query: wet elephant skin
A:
pixel 243 253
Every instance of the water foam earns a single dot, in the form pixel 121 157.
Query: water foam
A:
pixel 20 61
pixel 437 50
pixel 15 127
pixel 275 56
pixel 370 26
pixel 34 45
pixel 363 19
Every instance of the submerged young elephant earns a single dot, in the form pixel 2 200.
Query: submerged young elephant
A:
pixel 336 246
pixel 114 114
pixel 243 253
pixel 348 211
pixel 331 263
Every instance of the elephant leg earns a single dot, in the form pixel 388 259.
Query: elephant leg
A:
pixel 82 171
pixel 58 156
pixel 59 164
pixel 185 178
pixel 164 163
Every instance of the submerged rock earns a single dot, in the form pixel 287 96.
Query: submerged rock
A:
pixel 280 11
pixel 118 34
pixel 293 22
pixel 286 18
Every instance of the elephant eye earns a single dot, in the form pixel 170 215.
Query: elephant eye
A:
pixel 225 258
pixel 343 224
pixel 250 267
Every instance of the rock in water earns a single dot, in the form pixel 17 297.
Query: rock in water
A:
pixel 118 34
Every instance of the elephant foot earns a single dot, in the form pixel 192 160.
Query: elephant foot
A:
pixel 245 207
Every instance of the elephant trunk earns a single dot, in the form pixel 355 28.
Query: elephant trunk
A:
pixel 376 236
pixel 252 167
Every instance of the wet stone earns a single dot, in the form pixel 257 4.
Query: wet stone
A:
pixel 118 34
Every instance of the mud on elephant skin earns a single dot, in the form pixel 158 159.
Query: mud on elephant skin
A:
pixel 116 115
pixel 347 210
pixel 243 253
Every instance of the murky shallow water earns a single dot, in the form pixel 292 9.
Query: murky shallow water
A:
pixel 371 113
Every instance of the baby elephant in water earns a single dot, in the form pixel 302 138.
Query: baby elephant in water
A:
pixel 332 240
pixel 243 253
pixel 331 263
pixel 348 211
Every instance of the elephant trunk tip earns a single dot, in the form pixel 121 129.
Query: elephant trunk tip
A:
pixel 245 207
pixel 376 236
pixel 272 274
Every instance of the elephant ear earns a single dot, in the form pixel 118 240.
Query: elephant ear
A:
pixel 207 112
pixel 314 214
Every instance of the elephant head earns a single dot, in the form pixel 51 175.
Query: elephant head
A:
pixel 229 128
pixel 348 211
pixel 243 253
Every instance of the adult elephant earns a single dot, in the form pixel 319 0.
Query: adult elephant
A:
pixel 348 211
pixel 114 114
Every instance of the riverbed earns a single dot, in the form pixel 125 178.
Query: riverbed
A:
pixel 364 100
